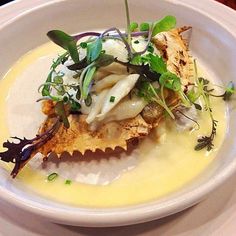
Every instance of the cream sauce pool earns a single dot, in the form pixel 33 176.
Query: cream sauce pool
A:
pixel 161 165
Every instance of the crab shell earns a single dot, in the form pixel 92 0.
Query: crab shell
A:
pixel 79 137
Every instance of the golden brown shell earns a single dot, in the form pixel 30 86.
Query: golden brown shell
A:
pixel 80 138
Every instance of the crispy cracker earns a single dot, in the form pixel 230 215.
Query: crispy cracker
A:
pixel 80 138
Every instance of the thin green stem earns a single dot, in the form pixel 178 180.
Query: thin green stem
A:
pixel 128 21
pixel 161 101
pixel 164 103
pixel 82 76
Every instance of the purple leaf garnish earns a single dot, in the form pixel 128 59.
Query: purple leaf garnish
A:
pixel 21 152
pixel 128 48
pixel 96 34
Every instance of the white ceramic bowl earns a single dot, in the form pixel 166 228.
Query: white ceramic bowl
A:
pixel 212 42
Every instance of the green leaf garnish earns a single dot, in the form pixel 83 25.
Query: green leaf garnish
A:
pixel 65 41
pixel 165 24
pixel 133 26
pixel 137 60
pixel 144 26
pixel 157 64
pixel 93 50
pixel 170 81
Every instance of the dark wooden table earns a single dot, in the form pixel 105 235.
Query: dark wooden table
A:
pixel 230 3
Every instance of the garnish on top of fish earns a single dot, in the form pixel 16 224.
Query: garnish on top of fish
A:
pixel 118 111
pixel 111 88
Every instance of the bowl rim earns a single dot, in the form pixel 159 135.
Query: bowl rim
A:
pixel 121 215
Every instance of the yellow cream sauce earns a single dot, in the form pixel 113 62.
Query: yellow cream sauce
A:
pixel 162 168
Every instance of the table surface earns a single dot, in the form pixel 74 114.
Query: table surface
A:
pixel 214 216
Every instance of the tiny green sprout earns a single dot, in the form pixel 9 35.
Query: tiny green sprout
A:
pixel 165 24
pixel 133 26
pixel 68 182
pixel 52 177
pixel 58 80
pixel 170 81
pixel 65 41
pixel 157 64
pixel 144 26
pixel 229 91
pixel 83 45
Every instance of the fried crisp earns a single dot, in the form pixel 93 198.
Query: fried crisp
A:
pixel 174 49
pixel 80 138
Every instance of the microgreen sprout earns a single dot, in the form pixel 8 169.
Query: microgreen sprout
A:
pixel 68 182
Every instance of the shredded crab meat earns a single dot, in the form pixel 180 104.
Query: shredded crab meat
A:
pixel 115 68
pixel 107 82
pixel 96 107
pixel 118 91
pixel 127 108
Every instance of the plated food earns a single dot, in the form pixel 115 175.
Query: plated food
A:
pixel 115 88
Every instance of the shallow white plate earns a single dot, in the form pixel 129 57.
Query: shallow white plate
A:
pixel 211 42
